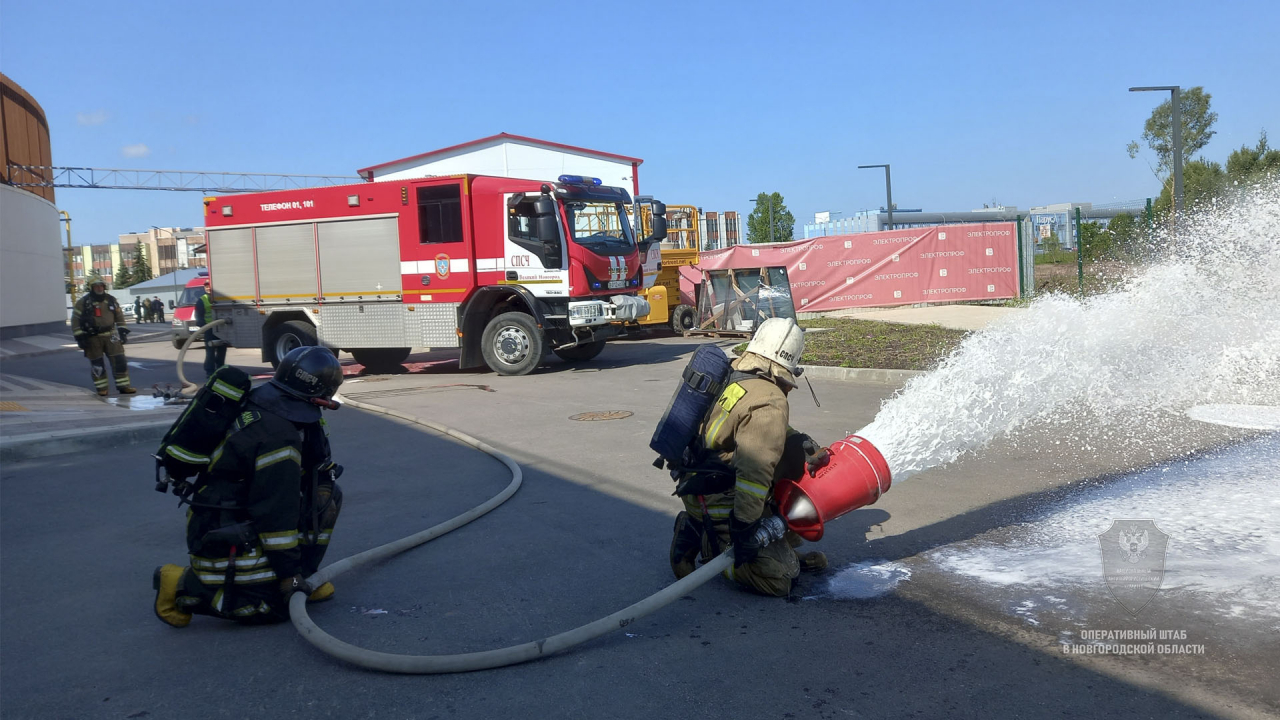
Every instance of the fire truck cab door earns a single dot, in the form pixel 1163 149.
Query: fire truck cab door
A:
pixel 541 264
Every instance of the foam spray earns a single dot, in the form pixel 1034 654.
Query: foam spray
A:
pixel 1199 325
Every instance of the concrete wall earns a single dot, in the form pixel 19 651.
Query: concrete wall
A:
pixel 31 265
pixel 516 160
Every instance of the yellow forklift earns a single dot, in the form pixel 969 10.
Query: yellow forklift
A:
pixel 664 260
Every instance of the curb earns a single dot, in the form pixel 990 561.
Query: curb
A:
pixel 26 447
pixel 888 377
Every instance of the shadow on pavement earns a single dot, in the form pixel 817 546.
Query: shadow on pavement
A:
pixel 80 537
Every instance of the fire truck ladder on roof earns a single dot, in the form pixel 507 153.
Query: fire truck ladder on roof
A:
pixel 176 180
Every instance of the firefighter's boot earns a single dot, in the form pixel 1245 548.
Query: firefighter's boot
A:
pixel 813 561
pixel 126 390
pixel 686 543
pixel 322 593
pixel 165 581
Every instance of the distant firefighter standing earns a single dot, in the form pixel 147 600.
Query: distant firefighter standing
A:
pixel 98 325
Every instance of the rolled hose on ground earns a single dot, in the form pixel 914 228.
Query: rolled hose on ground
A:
pixel 463 662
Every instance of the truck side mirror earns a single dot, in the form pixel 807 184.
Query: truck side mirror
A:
pixel 659 223
pixel 170 304
pixel 548 230
pixel 544 206
pixel 659 208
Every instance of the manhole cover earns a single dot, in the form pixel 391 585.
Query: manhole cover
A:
pixel 602 415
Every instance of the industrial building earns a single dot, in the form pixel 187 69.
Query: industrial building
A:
pixel 32 267
pixel 515 156
pixel 877 220
pixel 1040 223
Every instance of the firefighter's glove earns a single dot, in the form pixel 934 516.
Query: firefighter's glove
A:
pixel 815 458
pixel 124 334
pixel 297 583
pixel 750 538
pixel 83 341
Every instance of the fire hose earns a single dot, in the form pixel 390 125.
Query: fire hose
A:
pixel 464 662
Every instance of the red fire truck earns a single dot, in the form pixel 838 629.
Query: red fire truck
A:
pixel 503 268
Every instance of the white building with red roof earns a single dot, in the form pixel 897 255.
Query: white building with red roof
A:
pixel 506 155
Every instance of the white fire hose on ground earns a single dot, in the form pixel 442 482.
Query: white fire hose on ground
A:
pixel 464 662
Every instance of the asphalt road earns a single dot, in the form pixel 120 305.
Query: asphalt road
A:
pixel 586 535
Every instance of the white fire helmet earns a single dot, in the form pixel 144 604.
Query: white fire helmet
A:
pixel 780 340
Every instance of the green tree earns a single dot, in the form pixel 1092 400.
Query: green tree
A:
pixel 1253 164
pixel 1197 128
pixel 758 222
pixel 1051 243
pixel 1096 242
pixel 123 276
pixel 1202 181
pixel 1125 237
pixel 141 268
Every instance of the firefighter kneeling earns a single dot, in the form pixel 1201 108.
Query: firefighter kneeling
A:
pixel 262 514
pixel 747 445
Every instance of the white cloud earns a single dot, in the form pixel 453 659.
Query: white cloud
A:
pixel 89 119
pixel 136 150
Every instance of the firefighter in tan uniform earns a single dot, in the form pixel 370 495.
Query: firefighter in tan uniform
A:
pixel 747 431
pixel 99 328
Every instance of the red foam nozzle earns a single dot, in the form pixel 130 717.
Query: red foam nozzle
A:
pixel 856 475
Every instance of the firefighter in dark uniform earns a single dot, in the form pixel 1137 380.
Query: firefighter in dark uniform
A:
pixel 99 328
pixel 262 514
pixel 746 432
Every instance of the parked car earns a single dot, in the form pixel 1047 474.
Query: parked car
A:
pixel 184 314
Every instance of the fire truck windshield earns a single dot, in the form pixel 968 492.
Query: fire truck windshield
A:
pixel 600 227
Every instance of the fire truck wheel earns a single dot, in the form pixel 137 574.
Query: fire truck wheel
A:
pixel 582 352
pixel 512 344
pixel 378 359
pixel 289 335
pixel 683 319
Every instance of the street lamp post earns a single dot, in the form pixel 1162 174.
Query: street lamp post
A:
pixel 1175 102
pixel 175 261
pixel 71 274
pixel 888 190
pixel 757 202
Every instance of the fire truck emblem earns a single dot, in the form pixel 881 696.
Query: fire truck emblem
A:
pixel 1133 553
pixel 442 265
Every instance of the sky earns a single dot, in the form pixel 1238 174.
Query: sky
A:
pixel 1018 103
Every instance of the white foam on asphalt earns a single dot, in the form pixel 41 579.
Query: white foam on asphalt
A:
pixel 864 580
pixel 1249 417
pixel 1220 512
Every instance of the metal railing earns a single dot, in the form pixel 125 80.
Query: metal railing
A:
pixel 174 180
